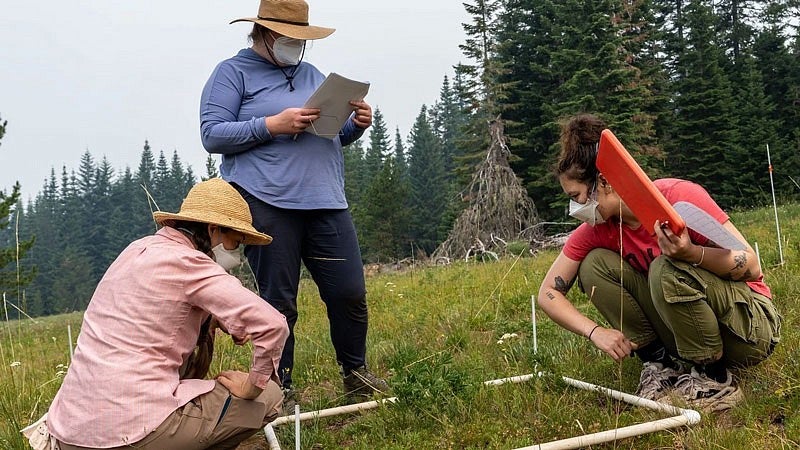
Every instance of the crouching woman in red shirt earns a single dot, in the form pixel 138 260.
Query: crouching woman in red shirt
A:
pixel 688 309
pixel 135 380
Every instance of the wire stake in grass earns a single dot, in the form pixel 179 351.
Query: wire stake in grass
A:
pixel 69 337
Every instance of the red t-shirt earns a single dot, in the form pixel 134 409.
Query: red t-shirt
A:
pixel 640 248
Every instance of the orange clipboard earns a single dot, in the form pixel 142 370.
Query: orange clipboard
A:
pixel 634 186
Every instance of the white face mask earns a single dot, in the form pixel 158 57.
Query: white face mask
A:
pixel 228 259
pixel 288 51
pixel 586 212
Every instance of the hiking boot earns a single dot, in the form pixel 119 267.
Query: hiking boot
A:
pixel 656 380
pixel 360 383
pixel 706 393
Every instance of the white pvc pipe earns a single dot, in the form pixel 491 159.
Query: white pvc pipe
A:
pixel 693 417
pixel 334 411
pixel 69 337
pixel 296 426
pixel 269 431
pixel 272 440
pixel 775 205
pixel 533 321
pixel 681 416
pixel 758 255
pixel 611 435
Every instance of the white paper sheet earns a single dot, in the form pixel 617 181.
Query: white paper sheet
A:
pixel 702 222
pixel 333 97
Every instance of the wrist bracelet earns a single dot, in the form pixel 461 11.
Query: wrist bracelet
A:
pixel 589 337
pixel 702 255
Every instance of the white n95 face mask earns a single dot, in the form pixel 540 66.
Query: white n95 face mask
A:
pixel 228 259
pixel 288 51
pixel 586 212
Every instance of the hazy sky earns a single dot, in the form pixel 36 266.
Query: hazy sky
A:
pixel 105 75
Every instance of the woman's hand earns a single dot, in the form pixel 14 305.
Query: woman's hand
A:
pixel 363 114
pixel 676 246
pixel 291 120
pixel 238 384
pixel 612 342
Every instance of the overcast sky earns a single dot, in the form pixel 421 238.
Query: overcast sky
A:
pixel 105 75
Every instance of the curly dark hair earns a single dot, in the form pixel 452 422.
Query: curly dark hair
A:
pixel 580 135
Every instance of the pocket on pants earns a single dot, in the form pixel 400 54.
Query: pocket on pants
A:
pixel 682 284
pixel 739 321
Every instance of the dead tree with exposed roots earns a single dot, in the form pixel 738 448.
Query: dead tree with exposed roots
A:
pixel 499 210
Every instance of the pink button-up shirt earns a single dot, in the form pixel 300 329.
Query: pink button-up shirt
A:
pixel 141 324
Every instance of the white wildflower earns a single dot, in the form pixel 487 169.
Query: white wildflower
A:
pixel 16 363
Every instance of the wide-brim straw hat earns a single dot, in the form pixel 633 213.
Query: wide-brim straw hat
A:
pixel 216 202
pixel 289 18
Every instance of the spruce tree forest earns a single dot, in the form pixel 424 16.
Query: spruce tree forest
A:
pixel 693 89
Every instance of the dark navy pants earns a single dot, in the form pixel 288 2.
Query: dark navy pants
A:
pixel 325 241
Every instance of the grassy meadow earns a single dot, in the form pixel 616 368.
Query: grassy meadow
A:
pixel 437 333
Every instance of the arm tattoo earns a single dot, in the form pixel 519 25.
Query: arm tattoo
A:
pixel 563 286
pixel 740 260
pixel 550 295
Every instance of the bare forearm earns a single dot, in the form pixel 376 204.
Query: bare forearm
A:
pixel 737 265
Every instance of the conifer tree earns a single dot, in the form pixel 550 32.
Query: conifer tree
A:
pixel 379 146
pixel 428 184
pixel 354 179
pixel 145 181
pixel 211 168
pixel 705 143
pixel 385 218
pixel 13 275
pixel 480 82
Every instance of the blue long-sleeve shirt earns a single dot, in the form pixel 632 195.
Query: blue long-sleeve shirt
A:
pixel 302 173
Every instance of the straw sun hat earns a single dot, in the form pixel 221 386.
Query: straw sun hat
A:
pixel 217 202
pixel 289 18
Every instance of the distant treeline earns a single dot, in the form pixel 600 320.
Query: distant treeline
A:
pixel 695 90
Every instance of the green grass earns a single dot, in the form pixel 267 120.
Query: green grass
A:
pixel 434 333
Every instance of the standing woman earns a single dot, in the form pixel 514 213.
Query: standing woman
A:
pixel 135 381
pixel 683 298
pixel 251 113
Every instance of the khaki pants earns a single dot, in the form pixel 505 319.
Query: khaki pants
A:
pixel 692 311
pixel 205 422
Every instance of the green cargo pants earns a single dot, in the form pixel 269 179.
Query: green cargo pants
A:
pixel 693 312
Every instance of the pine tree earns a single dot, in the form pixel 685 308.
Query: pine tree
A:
pixel 379 146
pixel 704 147
pixel 428 184
pixel 13 275
pixel 44 222
pixel 480 81
pixel 145 181
pixel 779 66
pixel 211 168
pixel 385 227
pixel 354 180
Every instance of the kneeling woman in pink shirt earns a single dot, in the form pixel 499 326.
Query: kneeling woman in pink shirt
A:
pixel 135 379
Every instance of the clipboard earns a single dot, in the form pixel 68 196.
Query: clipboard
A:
pixel 333 97
pixel 634 186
